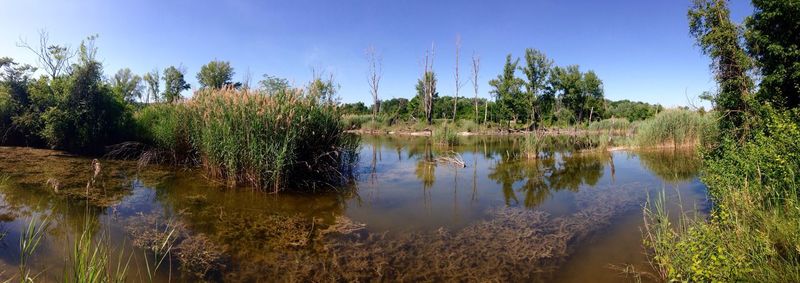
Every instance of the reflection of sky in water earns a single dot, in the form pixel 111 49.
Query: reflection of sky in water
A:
pixel 398 189
pixel 402 188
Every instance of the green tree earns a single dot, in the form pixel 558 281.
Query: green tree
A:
pixel 593 90
pixel 152 79
pixel 324 89
pixel 773 40
pixel 507 91
pixel 537 68
pixel 215 74
pixel 273 84
pixel 719 38
pixel 569 83
pixel 127 85
pixel 174 84
pixel 88 115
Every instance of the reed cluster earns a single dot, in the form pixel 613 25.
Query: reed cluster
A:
pixel 675 128
pixel 289 138
pixel 611 124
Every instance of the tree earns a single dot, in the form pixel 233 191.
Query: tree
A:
pixel 458 80
pixel 507 91
pixel 215 74
pixel 427 85
pixel 54 59
pixel 272 84
pixel 773 40
pixel 174 84
pixel 537 68
pixel 89 115
pixel 375 63
pixel 127 85
pixel 324 89
pixel 719 38
pixel 152 80
pixel 593 90
pixel 426 95
pixel 476 65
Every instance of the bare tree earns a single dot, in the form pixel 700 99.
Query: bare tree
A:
pixel 54 59
pixel 374 74
pixel 476 66
pixel 429 84
pixel 247 79
pixel 458 79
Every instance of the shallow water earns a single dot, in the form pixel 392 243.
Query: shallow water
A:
pixel 567 216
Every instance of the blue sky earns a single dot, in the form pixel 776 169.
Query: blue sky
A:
pixel 640 49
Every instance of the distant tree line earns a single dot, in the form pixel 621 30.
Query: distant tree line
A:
pixel 545 95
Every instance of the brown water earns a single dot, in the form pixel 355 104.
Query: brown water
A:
pixel 567 217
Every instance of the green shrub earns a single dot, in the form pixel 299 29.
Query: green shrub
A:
pixel 271 141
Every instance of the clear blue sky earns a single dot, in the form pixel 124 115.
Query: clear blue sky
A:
pixel 641 49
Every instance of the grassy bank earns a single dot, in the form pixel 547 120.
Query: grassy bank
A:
pixel 753 233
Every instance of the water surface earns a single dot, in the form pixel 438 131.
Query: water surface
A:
pixel 567 216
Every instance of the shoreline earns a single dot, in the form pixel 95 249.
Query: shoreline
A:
pixel 547 132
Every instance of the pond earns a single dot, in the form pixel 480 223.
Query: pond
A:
pixel 417 211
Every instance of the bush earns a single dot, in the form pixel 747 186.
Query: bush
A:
pixel 271 141
pixel 675 128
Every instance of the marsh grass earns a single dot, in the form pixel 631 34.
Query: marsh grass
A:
pixel 29 241
pixel 271 141
pixel 675 128
pixel 91 260
pixel 611 125
pixel 445 135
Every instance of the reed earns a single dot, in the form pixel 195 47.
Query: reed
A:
pixel 271 141
pixel 675 128
pixel 445 135
pixel 611 125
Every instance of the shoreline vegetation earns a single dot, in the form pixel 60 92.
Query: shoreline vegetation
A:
pixel 751 165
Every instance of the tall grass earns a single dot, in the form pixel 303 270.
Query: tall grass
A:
pixel 611 125
pixel 753 234
pixel 675 128
pixel 445 134
pixel 270 141
pixel 165 127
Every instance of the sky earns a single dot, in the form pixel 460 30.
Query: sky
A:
pixel 641 50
